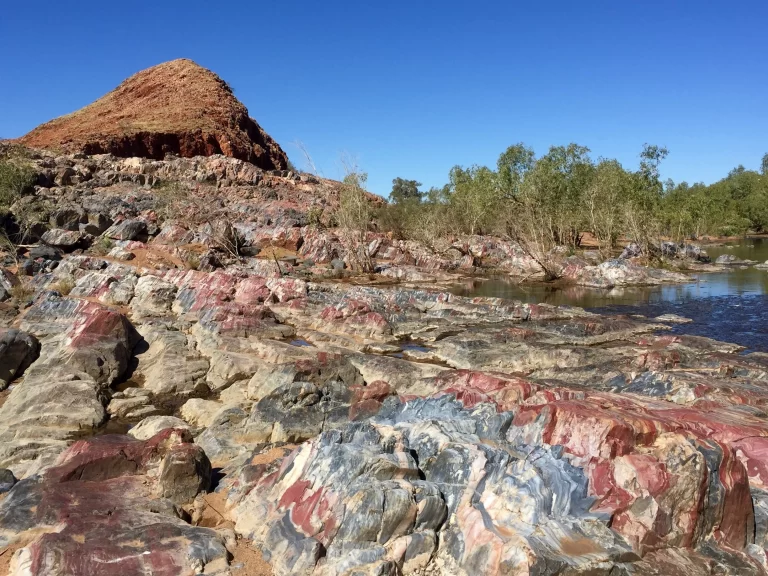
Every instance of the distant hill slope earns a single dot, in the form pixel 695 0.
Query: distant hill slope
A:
pixel 178 107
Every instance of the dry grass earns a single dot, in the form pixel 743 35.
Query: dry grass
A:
pixel 64 286
pixel 21 292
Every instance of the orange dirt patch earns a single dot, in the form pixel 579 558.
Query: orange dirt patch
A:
pixel 272 454
pixel 579 547
pixel 272 252
pixel 246 561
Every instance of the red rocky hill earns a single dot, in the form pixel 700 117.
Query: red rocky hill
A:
pixel 177 107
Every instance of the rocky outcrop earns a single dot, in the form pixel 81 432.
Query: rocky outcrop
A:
pixel 354 429
pixel 173 108
pixel 111 505
pixel 85 347
pixel 431 485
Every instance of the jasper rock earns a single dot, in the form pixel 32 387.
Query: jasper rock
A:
pixel 730 259
pixel 67 218
pixel 85 347
pixel 389 493
pixel 127 230
pixel 184 473
pixel 151 426
pixel 618 272
pixel 62 238
pixel 103 511
pixel 97 223
pixel 44 252
pixel 17 352
pixel 8 280
pixel 199 412
pixel 153 296
pixel 632 250
pixel 120 254
pixel 170 365
pixel 299 400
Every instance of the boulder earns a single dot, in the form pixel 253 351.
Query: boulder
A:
pixel 632 250
pixel 44 252
pixel 62 238
pixel 85 347
pixel 17 352
pixel 127 230
pixel 121 254
pixel 110 506
pixel 151 426
pixel 200 413
pixel 731 260
pixel 68 218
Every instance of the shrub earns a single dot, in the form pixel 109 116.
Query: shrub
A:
pixel 21 292
pixel 315 217
pixel 16 176
pixel 354 216
pixel 102 246
pixel 64 286
pixel 192 261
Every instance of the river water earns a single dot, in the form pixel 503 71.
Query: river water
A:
pixel 730 306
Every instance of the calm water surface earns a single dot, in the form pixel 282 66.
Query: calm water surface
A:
pixel 731 306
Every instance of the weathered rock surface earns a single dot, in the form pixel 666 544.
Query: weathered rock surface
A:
pixel 177 107
pixel 110 506
pixel 477 491
pixel 153 425
pixel 730 259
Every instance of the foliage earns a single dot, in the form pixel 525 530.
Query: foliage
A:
pixel 64 286
pixel 22 292
pixel 354 218
pixel 102 246
pixel 16 176
pixel 550 201
pixel 171 200
pixel 405 191
pixel 191 261
pixel 315 217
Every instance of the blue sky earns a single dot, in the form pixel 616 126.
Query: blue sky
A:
pixel 413 88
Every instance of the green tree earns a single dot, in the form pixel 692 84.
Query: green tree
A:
pixel 405 191
pixel 764 165
pixel 604 199
pixel 354 218
pixel 513 165
pixel 475 197
pixel 642 210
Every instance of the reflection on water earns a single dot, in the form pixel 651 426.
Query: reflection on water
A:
pixel 730 306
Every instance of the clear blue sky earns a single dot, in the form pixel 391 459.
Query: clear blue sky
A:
pixel 413 88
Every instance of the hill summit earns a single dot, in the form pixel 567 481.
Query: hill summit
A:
pixel 177 107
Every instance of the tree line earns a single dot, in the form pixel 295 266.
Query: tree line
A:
pixel 552 200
